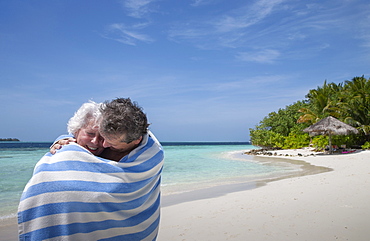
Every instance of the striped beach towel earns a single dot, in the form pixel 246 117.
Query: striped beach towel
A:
pixel 74 195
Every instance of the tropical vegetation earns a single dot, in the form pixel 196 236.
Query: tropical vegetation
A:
pixel 9 139
pixel 348 101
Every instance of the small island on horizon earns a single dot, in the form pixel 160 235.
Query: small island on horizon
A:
pixel 9 139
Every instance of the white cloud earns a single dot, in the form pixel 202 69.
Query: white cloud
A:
pixel 296 36
pixel 137 8
pixel 290 23
pixel 226 30
pixel 197 3
pixel 263 56
pixel 246 16
pixel 363 28
pixel 127 34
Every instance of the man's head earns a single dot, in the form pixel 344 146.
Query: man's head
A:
pixel 123 124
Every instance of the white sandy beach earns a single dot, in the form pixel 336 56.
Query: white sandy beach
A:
pixel 331 205
pixel 327 206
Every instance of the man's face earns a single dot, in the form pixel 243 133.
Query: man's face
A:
pixel 90 138
pixel 116 144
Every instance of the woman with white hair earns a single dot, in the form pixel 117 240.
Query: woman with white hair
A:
pixel 84 126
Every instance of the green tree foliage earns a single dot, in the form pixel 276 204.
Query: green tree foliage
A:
pixel 266 138
pixel 320 142
pixel 321 103
pixel 348 101
pixel 296 140
pixel 277 126
pixel 9 139
pixel 354 106
pixel 366 145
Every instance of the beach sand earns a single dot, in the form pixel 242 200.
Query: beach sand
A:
pixel 9 230
pixel 332 205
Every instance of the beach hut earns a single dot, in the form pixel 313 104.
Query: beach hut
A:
pixel 330 126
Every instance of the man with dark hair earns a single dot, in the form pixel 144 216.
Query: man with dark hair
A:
pixel 123 127
pixel 75 195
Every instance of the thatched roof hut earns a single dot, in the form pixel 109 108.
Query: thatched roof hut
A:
pixel 330 126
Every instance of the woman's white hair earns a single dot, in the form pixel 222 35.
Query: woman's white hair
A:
pixel 87 113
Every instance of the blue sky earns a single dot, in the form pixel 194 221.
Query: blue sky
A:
pixel 203 70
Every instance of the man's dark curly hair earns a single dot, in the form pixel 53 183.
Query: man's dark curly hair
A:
pixel 123 117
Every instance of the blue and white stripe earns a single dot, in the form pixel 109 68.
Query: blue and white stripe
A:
pixel 74 195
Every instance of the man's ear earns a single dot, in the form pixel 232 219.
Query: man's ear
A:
pixel 137 142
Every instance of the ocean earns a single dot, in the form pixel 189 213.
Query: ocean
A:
pixel 188 166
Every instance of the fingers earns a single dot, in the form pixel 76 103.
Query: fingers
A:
pixel 71 140
pixel 66 141
pixel 54 148
pixel 61 143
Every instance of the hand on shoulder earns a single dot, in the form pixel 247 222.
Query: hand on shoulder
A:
pixel 57 145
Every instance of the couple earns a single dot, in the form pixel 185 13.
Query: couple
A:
pixel 106 187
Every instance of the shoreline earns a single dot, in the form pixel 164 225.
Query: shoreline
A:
pixel 274 209
pixel 219 189
pixel 326 206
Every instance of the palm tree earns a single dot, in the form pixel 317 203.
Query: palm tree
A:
pixel 355 103
pixel 322 102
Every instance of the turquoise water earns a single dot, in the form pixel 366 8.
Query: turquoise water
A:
pixel 186 167
pixel 195 167
pixel 16 166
